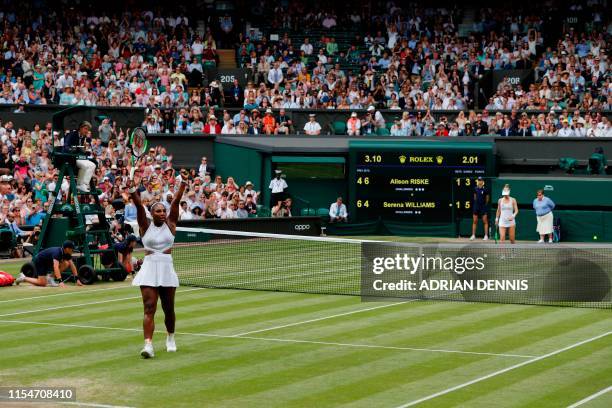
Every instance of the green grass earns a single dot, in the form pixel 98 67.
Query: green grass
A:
pixel 299 355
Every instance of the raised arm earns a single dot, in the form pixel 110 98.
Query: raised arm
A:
pixel 141 213
pixel 174 207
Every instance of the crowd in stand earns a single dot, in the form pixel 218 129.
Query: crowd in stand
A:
pixel 405 59
pixel 402 58
pixel 81 57
pixel 556 122
pixel 28 177
pixel 414 59
pixel 562 123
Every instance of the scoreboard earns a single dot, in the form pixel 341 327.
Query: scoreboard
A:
pixel 413 181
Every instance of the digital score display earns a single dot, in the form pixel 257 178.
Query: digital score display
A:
pixel 425 186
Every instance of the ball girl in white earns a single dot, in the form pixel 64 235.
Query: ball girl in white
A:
pixel 157 278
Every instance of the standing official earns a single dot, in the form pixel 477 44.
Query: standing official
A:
pixel 543 207
pixel 480 206
pixel 277 187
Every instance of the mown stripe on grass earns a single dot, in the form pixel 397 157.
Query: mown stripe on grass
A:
pixel 596 396
pixel 543 382
pixel 445 378
pixel 562 380
pixel 429 327
pixel 63 292
pixel 504 371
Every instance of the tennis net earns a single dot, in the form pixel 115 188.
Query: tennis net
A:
pixel 557 274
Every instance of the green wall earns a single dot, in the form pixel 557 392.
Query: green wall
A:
pixel 575 192
pixel 239 162
pixel 576 226
pixel 567 191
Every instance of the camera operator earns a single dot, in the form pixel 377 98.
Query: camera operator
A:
pixel 282 208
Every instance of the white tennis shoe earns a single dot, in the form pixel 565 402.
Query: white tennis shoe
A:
pixel 20 278
pixel 473 237
pixel 486 238
pixel 170 343
pixel 541 241
pixel 147 351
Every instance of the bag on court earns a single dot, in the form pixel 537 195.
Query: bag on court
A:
pixel 6 279
pixel 557 230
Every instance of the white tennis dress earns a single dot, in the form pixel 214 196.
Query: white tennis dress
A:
pixel 506 214
pixel 157 268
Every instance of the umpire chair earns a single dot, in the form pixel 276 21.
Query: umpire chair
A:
pixel 67 218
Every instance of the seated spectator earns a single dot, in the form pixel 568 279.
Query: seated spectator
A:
pixel 269 123
pixel 282 208
pixel 225 210
pixel 242 212
pixel 353 125
pixel 442 130
pixel 228 128
pixel 507 129
pixel 312 127
pixel 212 127
pixel 379 121
pixel 152 125
pixel 250 205
pixel 398 130
pixel 285 124
pixel 197 126
pixel 183 126
pixel 337 211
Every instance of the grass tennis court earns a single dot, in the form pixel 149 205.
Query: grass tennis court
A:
pixel 252 348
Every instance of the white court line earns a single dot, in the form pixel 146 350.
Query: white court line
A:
pixel 327 343
pixel 322 318
pixel 77 291
pixel 275 340
pixel 77 403
pixel 330 317
pixel 591 397
pixel 505 370
pixel 83 304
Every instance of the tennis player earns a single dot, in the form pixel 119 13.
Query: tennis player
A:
pixel 480 207
pixel 57 259
pixel 507 209
pixel 157 278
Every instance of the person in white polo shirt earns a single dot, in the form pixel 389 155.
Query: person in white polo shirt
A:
pixel 566 130
pixel 337 211
pixel 312 127
pixel 277 187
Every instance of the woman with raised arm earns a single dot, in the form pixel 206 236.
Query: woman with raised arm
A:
pixel 157 278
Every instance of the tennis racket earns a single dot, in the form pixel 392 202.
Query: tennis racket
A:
pixel 138 143
pixel 496 233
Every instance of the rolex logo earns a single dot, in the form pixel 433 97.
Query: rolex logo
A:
pixel 439 159
pixel 402 159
